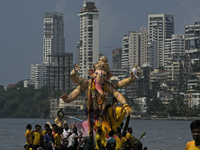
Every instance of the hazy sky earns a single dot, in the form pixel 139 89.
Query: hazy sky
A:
pixel 21 27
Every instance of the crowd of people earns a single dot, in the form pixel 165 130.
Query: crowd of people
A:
pixel 58 138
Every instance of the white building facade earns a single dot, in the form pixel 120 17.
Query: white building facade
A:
pixel 88 49
pixel 38 75
pixel 152 54
pixel 125 52
pixel 53 44
pixel 53 40
pixel 192 42
pixel 138 48
pixel 160 27
pixel 174 45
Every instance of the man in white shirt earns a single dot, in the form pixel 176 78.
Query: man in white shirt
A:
pixel 73 143
pixel 66 131
pixel 65 136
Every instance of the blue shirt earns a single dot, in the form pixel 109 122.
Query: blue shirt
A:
pixel 48 139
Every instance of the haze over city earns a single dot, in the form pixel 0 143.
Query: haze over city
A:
pixel 22 27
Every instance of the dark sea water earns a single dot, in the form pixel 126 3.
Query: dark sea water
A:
pixel 160 134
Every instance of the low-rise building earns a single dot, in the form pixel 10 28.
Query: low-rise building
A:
pixel 79 103
pixel 158 78
pixel 178 73
pixel 165 97
pixel 192 99
pixel 141 103
pixel 193 83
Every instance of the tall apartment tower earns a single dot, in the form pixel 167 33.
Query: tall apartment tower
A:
pixel 88 46
pixel 117 58
pixel 192 42
pixel 174 45
pixel 125 52
pixel 53 40
pixel 160 27
pixel 138 48
pixel 56 65
pixel 152 53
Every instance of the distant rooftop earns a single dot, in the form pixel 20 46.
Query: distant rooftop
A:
pixel 89 7
pixel 53 15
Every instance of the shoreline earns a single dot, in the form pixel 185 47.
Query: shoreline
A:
pixel 166 118
pixel 138 117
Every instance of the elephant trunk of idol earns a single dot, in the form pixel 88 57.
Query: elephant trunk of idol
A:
pixel 99 89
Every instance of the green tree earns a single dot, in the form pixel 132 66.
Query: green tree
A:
pixel 24 102
pixel 155 106
pixel 196 67
pixel 177 107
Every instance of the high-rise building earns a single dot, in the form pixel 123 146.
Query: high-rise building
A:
pixel 174 45
pixel 56 65
pixel 143 46
pixel 152 53
pixel 138 48
pixel 53 40
pixel 160 27
pixel 58 71
pixel 117 58
pixel 133 50
pixel 88 48
pixel 125 52
pixel 192 42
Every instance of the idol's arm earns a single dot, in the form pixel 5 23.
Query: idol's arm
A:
pixel 120 98
pixel 125 82
pixel 73 95
pixel 75 78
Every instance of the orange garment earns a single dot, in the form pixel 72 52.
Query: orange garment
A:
pixel 191 146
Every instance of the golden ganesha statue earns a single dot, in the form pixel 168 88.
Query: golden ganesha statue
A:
pixel 100 113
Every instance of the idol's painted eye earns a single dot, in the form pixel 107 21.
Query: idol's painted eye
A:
pixel 96 73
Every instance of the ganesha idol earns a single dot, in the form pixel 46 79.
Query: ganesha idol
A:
pixel 100 113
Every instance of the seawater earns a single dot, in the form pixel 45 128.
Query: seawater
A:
pixel 160 134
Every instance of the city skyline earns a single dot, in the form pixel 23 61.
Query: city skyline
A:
pixel 22 28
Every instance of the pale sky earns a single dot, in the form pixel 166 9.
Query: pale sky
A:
pixel 21 27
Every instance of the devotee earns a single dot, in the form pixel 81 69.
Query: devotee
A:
pixel 111 142
pixel 29 136
pixel 88 141
pixel 195 130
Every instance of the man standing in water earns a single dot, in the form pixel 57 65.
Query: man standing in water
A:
pixel 195 130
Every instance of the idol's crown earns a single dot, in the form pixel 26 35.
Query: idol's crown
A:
pixel 102 64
